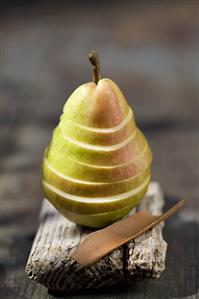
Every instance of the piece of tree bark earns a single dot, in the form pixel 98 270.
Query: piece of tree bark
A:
pixel 50 264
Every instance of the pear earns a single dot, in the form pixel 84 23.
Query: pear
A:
pixel 97 165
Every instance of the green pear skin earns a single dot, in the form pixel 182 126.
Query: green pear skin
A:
pixel 97 165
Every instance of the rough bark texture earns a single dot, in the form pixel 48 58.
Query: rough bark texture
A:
pixel 50 264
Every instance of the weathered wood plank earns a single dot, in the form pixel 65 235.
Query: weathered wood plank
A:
pixel 51 265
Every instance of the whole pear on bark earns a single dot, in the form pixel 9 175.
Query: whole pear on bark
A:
pixel 97 165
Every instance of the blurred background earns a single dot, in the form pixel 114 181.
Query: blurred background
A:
pixel 149 48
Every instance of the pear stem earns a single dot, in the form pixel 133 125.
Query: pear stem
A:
pixel 94 59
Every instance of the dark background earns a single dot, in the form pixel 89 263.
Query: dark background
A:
pixel 150 48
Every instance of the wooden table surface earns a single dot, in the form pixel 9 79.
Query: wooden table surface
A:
pixel 150 48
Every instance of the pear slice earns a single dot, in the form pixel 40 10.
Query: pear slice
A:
pixel 99 155
pixel 96 220
pixel 89 172
pixel 94 205
pixel 87 188
pixel 97 165
pixel 96 136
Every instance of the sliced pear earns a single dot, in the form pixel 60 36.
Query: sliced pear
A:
pixel 97 165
